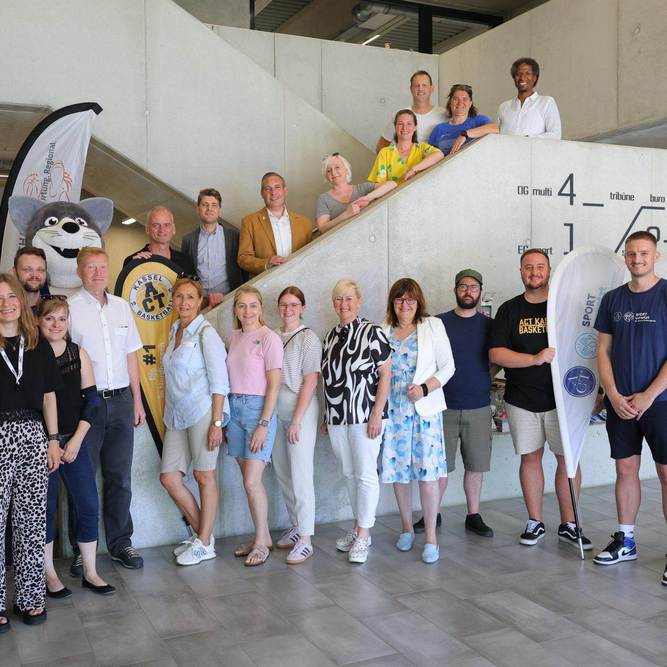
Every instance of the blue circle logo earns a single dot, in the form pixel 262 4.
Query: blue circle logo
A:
pixel 586 345
pixel 579 381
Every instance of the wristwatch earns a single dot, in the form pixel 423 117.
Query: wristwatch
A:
pixel 264 422
pixel 464 134
pixel 217 422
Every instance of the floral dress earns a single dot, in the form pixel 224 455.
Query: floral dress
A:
pixel 413 446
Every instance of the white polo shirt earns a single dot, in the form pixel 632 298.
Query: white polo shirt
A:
pixel 108 333
pixel 282 233
pixel 537 117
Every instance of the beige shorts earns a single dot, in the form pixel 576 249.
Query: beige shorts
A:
pixel 530 430
pixel 473 428
pixel 189 446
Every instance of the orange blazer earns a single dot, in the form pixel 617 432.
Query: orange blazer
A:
pixel 257 244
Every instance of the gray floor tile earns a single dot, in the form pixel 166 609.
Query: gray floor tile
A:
pixel 509 648
pixel 340 636
pixel 413 635
pixel 206 649
pixel 84 660
pixel 592 650
pixel 385 661
pixel 291 593
pixel 456 617
pixel 286 651
pixel 123 639
pixel 524 615
pixel 62 635
pixel 173 614
pixel 465 582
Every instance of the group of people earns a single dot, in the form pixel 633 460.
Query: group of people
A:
pixel 415 139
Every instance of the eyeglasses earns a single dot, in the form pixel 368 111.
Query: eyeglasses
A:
pixel 58 297
pixel 644 254
pixel 473 289
pixel 408 301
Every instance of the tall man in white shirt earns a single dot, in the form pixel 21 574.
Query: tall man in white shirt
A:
pixel 529 114
pixel 269 236
pixel 428 116
pixel 103 325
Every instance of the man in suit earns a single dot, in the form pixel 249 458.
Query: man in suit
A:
pixel 269 236
pixel 213 248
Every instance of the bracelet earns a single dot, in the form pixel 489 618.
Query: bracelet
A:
pixel 53 436
pixel 424 389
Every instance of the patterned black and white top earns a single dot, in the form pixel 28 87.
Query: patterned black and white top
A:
pixel 351 358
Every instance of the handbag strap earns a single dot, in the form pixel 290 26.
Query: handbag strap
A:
pixel 296 333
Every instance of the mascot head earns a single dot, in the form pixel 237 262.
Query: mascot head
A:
pixel 61 229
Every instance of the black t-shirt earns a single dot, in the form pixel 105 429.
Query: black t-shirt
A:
pixel 522 327
pixel 40 376
pixel 177 257
pixel 69 394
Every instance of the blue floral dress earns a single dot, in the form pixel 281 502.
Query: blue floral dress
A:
pixel 413 446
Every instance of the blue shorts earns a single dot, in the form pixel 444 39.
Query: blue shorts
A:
pixel 626 435
pixel 246 411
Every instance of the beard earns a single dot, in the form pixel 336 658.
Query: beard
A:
pixel 30 288
pixel 467 305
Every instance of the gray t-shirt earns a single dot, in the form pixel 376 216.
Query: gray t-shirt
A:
pixel 326 204
pixel 302 355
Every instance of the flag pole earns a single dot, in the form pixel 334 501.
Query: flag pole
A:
pixel 577 520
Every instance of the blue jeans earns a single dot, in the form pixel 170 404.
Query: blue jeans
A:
pixel 246 411
pixel 79 479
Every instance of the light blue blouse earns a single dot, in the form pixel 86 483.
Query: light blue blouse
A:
pixel 193 374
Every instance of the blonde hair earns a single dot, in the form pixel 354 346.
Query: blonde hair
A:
pixel 343 284
pixel 26 324
pixel 328 159
pixel 187 281
pixel 89 251
pixel 237 295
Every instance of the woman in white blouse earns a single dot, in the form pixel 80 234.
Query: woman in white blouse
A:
pixel 298 410
pixel 413 442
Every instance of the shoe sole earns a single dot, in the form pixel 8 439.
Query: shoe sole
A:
pixel 298 562
pixel 358 560
pixel 664 582
pixel 125 565
pixel 575 543
pixel 614 562
pixel 530 543
pixel 201 560
pixel 476 532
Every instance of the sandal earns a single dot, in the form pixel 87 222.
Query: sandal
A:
pixel 257 555
pixel 245 549
pixel 301 553
pixel 28 618
pixel 4 627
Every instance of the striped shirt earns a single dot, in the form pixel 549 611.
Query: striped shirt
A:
pixel 302 355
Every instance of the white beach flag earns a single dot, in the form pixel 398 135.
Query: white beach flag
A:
pixel 49 167
pixel 577 287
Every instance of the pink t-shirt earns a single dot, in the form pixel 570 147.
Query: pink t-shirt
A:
pixel 250 355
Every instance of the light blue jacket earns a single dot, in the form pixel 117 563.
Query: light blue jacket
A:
pixel 192 373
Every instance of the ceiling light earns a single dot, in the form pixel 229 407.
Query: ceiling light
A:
pixel 129 221
pixel 371 39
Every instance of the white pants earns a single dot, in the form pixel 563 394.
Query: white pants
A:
pixel 358 455
pixel 294 463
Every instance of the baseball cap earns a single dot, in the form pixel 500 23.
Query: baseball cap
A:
pixel 468 273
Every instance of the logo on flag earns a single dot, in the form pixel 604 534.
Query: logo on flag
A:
pixel 579 381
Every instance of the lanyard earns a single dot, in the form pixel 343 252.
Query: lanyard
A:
pixel 17 374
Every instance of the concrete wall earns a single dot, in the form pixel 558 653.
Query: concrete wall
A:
pixel 357 87
pixel 178 101
pixel 602 60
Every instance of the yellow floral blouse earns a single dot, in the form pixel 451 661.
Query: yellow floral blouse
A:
pixel 390 166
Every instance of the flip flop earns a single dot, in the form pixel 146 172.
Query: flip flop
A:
pixel 245 549
pixel 4 627
pixel 257 555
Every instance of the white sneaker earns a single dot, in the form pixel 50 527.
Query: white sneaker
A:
pixel 359 551
pixel 184 545
pixel 345 542
pixel 289 538
pixel 196 553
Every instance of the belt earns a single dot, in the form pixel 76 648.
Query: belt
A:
pixel 109 393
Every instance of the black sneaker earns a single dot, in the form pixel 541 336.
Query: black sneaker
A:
pixel 76 566
pixel 418 526
pixel 568 534
pixel 128 557
pixel 533 534
pixel 475 523
pixel 664 576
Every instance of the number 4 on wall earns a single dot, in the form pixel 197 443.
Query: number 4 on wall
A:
pixel 567 190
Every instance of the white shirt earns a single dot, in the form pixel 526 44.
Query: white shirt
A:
pixel 537 117
pixel 282 233
pixel 425 124
pixel 108 333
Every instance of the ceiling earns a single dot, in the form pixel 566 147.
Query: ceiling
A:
pixel 389 23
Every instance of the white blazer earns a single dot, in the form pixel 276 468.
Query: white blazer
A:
pixel 434 358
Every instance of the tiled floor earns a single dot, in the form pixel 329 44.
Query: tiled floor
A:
pixel 487 602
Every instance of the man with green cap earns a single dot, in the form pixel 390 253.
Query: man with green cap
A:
pixel 467 394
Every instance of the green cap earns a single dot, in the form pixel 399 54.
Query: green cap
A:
pixel 468 273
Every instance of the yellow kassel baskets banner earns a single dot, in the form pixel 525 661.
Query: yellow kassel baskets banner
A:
pixel 146 285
